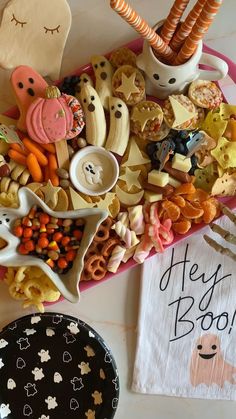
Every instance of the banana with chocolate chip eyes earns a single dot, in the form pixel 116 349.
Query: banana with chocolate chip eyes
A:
pixel 103 71
pixel 84 79
pixel 94 116
pixel 118 136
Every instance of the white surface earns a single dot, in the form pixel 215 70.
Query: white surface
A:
pixel 112 307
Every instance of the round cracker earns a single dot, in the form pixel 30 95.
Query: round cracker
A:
pixel 205 94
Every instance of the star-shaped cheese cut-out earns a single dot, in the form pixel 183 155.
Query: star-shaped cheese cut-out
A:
pixel 135 156
pixel 67 283
pixel 127 86
pixel 50 193
pixel 130 177
pixel 181 113
pixel 106 202
pixel 145 115
pixel 78 202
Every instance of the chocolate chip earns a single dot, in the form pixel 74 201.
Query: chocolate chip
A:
pixel 91 107
pixel 103 75
pixel 118 114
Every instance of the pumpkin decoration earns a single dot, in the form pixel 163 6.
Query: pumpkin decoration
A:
pixel 55 117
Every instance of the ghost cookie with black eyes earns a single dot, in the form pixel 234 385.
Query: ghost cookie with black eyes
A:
pixel 27 86
pixel 128 84
pixel 118 136
pixel 103 73
pixel 94 116
pixel 84 79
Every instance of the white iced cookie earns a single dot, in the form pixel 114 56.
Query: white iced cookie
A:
pixel 118 136
pixel 36 32
pixel 103 71
pixel 94 116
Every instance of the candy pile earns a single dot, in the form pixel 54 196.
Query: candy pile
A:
pixel 54 240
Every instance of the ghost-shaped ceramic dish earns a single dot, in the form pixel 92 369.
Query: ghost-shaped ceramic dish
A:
pixel 67 284
pixel 94 170
pixel 34 33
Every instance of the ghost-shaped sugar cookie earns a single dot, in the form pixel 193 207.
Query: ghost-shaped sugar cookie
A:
pixel 34 33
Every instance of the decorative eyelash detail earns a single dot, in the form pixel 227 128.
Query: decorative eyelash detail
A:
pixel 52 30
pixel 17 22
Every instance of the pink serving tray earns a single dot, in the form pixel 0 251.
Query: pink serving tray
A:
pixel 136 46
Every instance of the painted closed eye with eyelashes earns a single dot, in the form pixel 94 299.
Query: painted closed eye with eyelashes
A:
pixel 52 30
pixel 17 21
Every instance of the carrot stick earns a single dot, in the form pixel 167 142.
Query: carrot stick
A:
pixel 185 28
pixel 36 150
pixel 172 20
pixel 53 166
pixel 18 148
pixel 46 173
pixel 17 157
pixel 201 26
pixel 49 147
pixel 34 168
pixel 142 27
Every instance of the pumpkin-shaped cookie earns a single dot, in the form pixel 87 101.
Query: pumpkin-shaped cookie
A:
pixel 54 117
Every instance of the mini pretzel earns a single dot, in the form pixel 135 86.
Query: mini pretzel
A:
pixel 109 246
pixel 103 231
pixel 94 249
pixel 96 266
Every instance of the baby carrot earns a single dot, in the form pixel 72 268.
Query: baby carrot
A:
pixel 17 157
pixel 36 150
pixel 34 168
pixel 52 164
pixel 46 173
pixel 49 147
pixel 18 148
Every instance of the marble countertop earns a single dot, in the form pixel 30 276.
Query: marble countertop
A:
pixel 111 307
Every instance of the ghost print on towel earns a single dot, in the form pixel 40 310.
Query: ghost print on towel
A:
pixel 187 322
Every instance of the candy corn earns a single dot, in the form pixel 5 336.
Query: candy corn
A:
pixel 173 19
pixel 142 27
pixel 183 32
pixel 201 26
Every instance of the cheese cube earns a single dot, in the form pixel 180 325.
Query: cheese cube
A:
pixel 181 162
pixel 174 182
pixel 151 197
pixel 158 178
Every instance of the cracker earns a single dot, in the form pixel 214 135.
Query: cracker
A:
pixel 205 94
pixel 122 56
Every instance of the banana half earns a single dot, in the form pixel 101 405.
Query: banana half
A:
pixel 118 136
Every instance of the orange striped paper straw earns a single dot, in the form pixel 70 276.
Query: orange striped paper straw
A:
pixel 183 32
pixel 142 27
pixel 173 19
pixel 201 26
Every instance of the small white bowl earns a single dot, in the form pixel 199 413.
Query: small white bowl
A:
pixel 94 170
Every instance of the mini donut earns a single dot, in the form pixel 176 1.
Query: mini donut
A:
pixel 205 94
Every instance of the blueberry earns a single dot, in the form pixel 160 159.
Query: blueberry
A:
pixel 151 148
pixel 181 148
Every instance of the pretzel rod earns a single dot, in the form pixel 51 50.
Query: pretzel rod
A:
pixel 142 27
pixel 226 235
pixel 221 249
pixel 183 32
pixel 173 19
pixel 200 27
pixel 230 214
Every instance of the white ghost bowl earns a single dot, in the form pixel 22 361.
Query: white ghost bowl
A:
pixel 67 284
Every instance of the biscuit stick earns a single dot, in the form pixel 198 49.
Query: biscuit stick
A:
pixel 142 27
pixel 200 27
pixel 221 249
pixel 185 28
pixel 173 19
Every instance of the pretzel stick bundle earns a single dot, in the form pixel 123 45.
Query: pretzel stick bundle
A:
pixel 141 26
pixel 201 26
pixel 173 19
pixel 183 32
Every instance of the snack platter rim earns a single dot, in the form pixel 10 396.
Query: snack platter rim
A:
pixel 136 47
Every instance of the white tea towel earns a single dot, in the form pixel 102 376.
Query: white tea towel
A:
pixel 186 344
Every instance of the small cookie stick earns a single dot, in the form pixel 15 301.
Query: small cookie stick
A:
pixel 62 153
pixel 226 235
pixel 142 27
pixel 185 28
pixel 199 29
pixel 173 19
pixel 221 249
pixel 230 214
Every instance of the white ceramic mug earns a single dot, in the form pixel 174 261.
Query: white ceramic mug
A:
pixel 163 80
